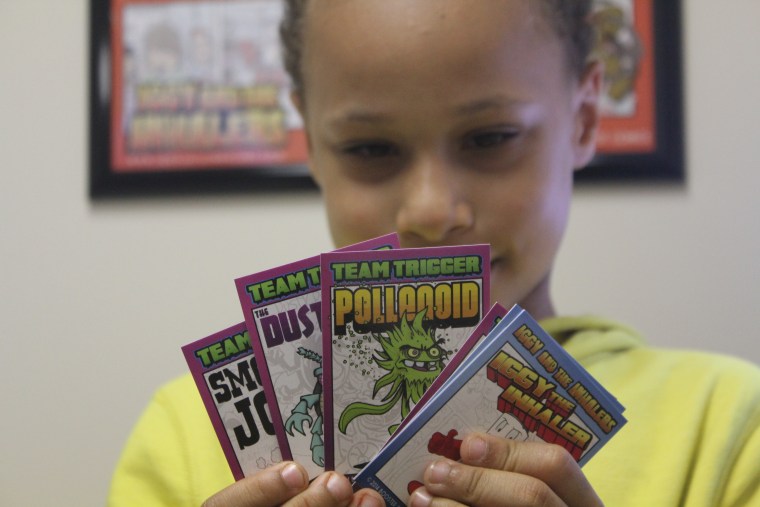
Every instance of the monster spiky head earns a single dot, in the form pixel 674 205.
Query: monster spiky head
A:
pixel 412 358
pixel 412 351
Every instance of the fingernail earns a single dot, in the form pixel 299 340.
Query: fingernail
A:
pixel 439 471
pixel 338 487
pixel 370 501
pixel 293 477
pixel 476 449
pixel 420 498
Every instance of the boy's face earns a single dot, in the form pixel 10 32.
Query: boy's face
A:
pixel 450 122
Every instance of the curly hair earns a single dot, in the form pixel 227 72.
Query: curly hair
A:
pixel 291 38
pixel 570 20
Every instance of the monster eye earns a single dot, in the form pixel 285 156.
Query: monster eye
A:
pixel 434 352
pixel 413 353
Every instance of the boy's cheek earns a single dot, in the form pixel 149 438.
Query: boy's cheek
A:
pixel 356 222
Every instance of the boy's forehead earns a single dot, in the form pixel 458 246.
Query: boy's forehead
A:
pixel 431 23
pixel 429 29
pixel 417 43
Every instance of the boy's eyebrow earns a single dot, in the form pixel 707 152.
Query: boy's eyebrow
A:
pixel 359 117
pixel 469 108
pixel 495 103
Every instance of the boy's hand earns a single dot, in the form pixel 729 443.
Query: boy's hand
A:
pixel 287 484
pixel 498 472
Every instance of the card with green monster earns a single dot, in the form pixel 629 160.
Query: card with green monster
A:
pixel 390 321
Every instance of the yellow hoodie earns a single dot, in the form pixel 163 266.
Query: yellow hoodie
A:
pixel 692 438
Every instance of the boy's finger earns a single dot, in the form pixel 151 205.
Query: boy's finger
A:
pixel 450 483
pixel 330 489
pixel 268 488
pixel 550 464
pixel 367 498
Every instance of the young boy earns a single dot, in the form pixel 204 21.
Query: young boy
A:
pixel 459 121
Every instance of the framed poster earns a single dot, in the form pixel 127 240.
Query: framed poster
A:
pixel 641 132
pixel 190 95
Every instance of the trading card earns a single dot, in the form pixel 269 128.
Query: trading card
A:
pixel 391 320
pixel 282 309
pixel 519 384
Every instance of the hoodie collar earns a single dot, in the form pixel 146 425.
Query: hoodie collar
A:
pixel 589 339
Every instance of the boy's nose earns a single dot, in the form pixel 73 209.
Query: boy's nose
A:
pixel 433 205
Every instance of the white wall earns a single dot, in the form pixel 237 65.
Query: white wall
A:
pixel 98 298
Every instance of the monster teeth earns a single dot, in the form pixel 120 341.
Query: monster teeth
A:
pixel 420 365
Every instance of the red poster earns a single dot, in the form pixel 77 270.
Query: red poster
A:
pixel 199 85
pixel 626 47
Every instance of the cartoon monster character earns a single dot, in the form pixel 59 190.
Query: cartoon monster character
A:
pixel 413 359
pixel 300 413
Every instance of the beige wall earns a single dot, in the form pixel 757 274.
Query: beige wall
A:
pixel 98 298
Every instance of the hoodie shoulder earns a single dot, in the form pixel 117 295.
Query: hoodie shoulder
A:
pixel 589 338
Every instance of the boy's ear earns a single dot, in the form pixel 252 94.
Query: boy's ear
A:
pixel 297 101
pixel 587 114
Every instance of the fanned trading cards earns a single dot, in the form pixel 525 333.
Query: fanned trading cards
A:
pixel 391 321
pixel 373 360
pixel 282 308
pixel 229 383
pixel 519 384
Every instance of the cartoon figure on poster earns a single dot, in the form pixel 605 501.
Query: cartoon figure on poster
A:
pixel 618 46
pixel 162 54
pixel 201 59
pixel 201 85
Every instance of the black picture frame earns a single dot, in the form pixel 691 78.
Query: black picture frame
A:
pixel 665 162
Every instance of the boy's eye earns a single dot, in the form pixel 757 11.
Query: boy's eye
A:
pixel 370 150
pixel 489 139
